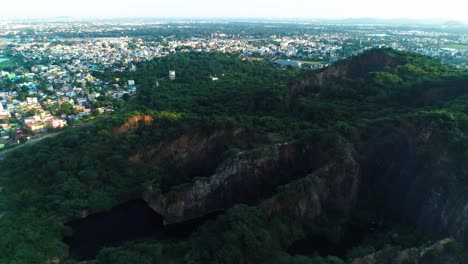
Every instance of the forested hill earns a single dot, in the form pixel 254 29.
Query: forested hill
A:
pixel 376 142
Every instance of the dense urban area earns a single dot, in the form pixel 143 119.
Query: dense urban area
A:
pixel 59 74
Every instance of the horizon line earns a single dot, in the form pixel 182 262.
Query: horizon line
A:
pixel 317 19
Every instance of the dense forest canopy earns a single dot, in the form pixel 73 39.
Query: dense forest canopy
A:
pixel 91 168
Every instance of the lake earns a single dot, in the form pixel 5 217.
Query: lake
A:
pixel 131 221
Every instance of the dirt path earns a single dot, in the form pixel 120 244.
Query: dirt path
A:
pixel 29 142
pixel 39 139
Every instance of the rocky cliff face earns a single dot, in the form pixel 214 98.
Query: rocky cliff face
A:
pixel 389 169
pixel 413 185
pixel 193 155
pixel 445 251
pixel 245 179
pixel 133 123
pixel 335 185
pixel 359 66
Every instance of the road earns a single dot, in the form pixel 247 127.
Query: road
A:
pixel 29 142
pixel 39 139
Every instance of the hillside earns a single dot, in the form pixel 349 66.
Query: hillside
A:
pixel 324 166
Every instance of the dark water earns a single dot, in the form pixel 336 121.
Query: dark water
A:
pixel 133 220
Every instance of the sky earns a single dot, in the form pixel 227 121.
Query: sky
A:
pixel 416 9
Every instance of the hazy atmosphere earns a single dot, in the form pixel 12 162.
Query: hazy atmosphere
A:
pixel 449 9
pixel 233 132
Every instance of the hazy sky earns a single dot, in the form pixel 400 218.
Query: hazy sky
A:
pixel 446 9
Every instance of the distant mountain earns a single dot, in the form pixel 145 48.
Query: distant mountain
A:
pixel 355 21
pixel 454 24
pixel 392 21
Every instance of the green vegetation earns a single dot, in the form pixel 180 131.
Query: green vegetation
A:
pixel 93 168
pixel 457 46
pixel 313 62
pixel 9 64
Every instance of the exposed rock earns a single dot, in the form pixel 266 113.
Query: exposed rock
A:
pixel 195 154
pixel 334 185
pixel 245 179
pixel 445 251
pixel 414 186
pixel 390 168
pixel 359 66
pixel 54 260
pixel 133 123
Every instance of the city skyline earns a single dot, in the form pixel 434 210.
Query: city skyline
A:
pixel 334 9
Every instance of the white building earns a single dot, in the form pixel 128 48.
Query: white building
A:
pixel 172 75
pixel 31 100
